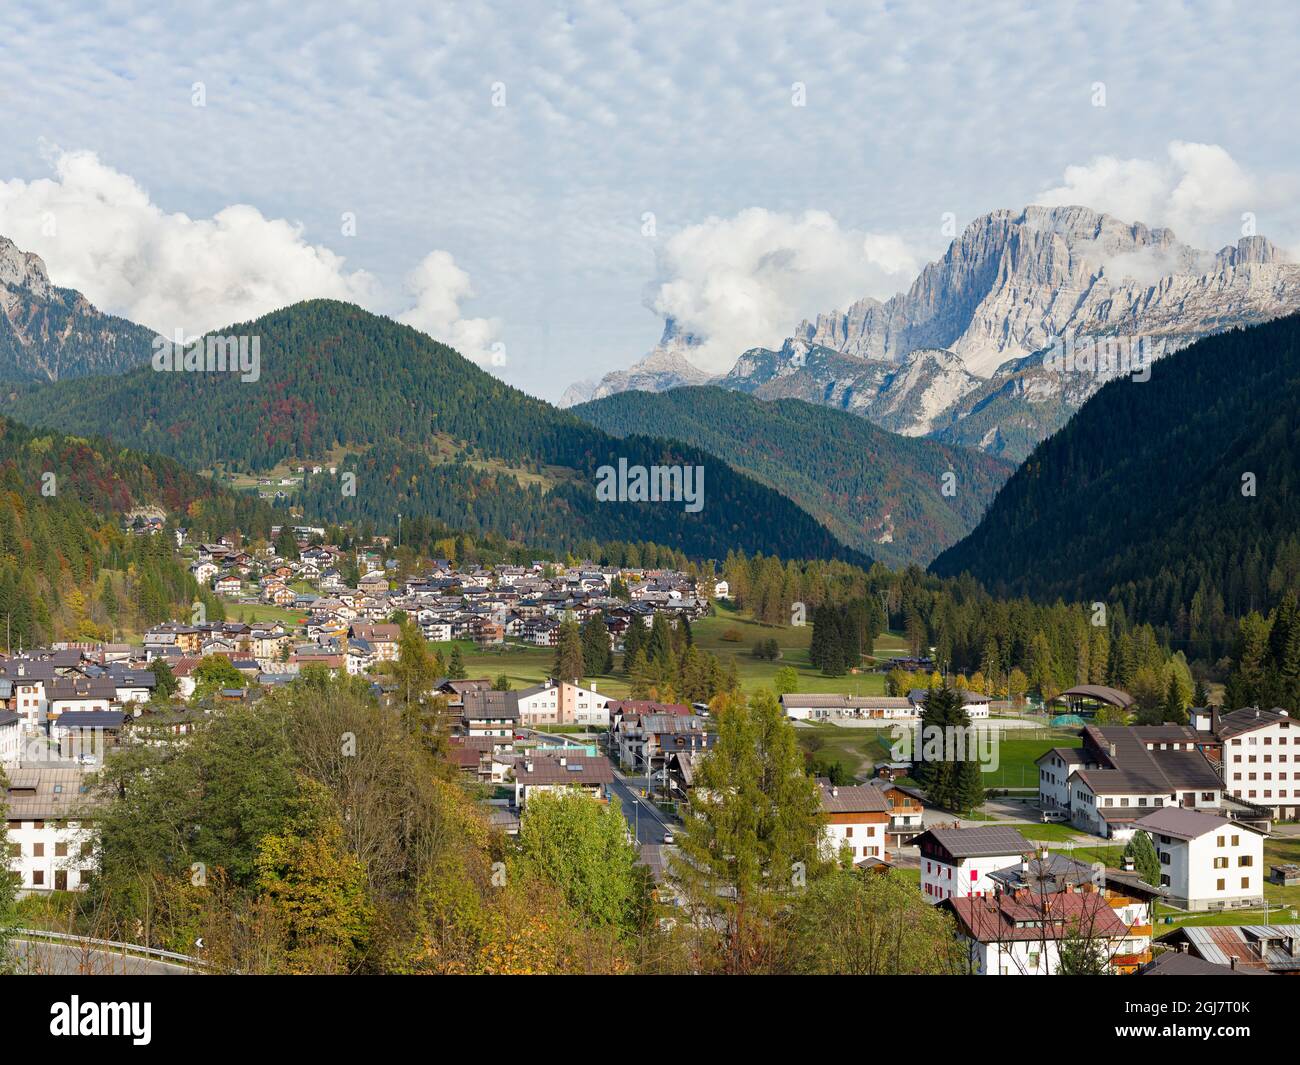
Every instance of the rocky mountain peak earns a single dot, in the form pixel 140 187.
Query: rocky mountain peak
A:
pixel 20 269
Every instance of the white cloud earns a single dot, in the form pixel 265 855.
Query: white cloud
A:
pixel 1199 191
pixel 739 282
pixel 100 232
pixel 439 286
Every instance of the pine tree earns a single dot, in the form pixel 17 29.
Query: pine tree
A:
pixel 456 667
pixel 569 661
pixel 1142 852
pixel 596 654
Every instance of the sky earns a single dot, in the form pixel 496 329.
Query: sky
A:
pixel 541 185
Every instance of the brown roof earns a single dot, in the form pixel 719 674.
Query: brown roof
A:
pixel 858 798
pixel 48 793
pixel 576 769
pixel 1050 916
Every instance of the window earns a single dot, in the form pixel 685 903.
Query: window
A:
pixel 1245 883
pixel 1245 860
pixel 1219 884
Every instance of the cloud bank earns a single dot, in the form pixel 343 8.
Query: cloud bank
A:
pixel 745 281
pixel 100 232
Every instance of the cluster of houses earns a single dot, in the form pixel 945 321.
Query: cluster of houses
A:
pixel 489 605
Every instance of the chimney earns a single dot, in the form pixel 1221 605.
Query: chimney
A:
pixel 1112 750
pixel 563 763
pixel 528 767
pixel 1128 865
pixel 835 792
pixel 1232 962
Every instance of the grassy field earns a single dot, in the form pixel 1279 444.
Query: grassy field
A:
pixel 251 612
pixel 531 665
pixel 856 750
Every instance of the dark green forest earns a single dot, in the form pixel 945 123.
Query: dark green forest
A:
pixel 67 566
pixel 1174 499
pixel 426 432
pixel 859 480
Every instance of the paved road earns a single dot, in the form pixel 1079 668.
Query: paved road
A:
pixel 644 819
pixel 40 957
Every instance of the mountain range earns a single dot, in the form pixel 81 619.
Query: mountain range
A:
pixel 962 354
pixel 426 433
pixel 880 492
pixel 1175 499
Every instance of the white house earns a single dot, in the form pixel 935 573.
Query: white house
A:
pixel 11 743
pixel 560 771
pixel 805 707
pixel 1207 862
pixel 562 704
pixel 1021 934
pixel 31 682
pixel 50 831
pixel 855 819
pixel 1261 758
pixel 1122 773
pixel 956 862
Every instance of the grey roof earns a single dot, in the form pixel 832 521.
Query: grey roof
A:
pixel 1133 769
pixel 985 841
pixel 1176 963
pixel 1249 718
pixel 1054 873
pixel 1182 823
pixel 41 793
pixel 90 719
pixel 490 706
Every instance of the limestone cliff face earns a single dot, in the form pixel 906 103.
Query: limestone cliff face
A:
pixel 48 333
pixel 960 354
pixel 1014 281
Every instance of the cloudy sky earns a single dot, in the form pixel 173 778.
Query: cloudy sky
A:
pixel 540 183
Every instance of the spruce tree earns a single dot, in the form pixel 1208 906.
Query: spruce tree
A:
pixel 569 661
